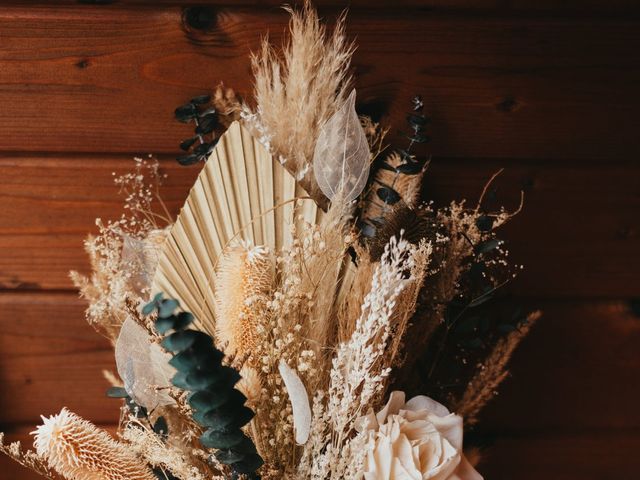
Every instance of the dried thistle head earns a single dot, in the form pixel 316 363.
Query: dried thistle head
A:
pixel 244 279
pixel 78 450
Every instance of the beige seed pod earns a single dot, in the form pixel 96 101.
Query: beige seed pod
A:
pixel 78 450
pixel 243 280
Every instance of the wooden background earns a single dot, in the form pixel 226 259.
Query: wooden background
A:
pixel 547 89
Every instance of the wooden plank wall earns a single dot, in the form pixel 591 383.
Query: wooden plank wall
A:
pixel 547 89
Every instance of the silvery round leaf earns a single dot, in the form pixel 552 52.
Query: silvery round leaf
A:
pixel 143 366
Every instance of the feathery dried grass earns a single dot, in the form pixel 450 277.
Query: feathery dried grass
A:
pixel 298 327
pixel 405 305
pixel 357 378
pixel 492 372
pixel 148 446
pixel 350 302
pixel 299 88
pixel 27 458
pixel 454 238
pixel 125 252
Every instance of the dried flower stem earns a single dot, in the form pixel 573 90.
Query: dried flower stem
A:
pixel 492 372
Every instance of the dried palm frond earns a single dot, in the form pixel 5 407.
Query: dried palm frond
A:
pixel 241 194
pixel 299 88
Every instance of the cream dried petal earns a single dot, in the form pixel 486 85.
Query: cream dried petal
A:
pixel 299 402
pixel 450 427
pixel 421 402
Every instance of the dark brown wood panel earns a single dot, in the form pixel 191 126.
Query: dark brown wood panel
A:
pixel 51 358
pixel 581 355
pixel 54 201
pixel 577 370
pixel 574 7
pixel 584 456
pixel 108 79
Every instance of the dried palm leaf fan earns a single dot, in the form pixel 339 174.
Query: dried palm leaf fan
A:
pixel 241 194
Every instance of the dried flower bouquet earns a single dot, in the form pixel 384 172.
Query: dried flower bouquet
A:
pixel 300 318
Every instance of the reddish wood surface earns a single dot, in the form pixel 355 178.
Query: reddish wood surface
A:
pixel 584 456
pixel 580 354
pixel 544 88
pixel 51 358
pixel 80 78
pixel 504 6
pixel 55 199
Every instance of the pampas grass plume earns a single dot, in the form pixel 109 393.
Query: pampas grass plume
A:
pixel 78 450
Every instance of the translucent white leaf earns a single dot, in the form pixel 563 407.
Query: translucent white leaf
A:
pixel 143 366
pixel 299 402
pixel 140 256
pixel 341 157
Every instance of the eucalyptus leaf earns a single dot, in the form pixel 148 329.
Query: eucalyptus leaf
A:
pixel 117 392
pixel 486 247
pixel 201 99
pixel 188 143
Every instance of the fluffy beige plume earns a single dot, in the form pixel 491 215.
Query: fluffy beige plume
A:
pixel 492 372
pixel 244 279
pixel 298 89
pixel 78 450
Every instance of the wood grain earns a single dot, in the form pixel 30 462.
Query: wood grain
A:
pixel 51 358
pixel 544 88
pixel 584 456
pixel 511 6
pixel 575 371
pixel 560 382
pixel 55 199
pixel 108 79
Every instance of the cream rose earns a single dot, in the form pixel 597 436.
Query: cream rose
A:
pixel 416 440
